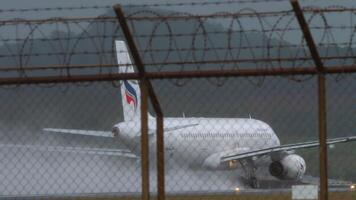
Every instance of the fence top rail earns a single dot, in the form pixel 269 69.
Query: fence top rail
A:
pixel 178 75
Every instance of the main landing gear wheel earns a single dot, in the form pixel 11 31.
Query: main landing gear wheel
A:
pixel 254 183
pixel 250 172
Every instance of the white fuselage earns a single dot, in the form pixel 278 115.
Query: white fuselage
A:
pixel 198 138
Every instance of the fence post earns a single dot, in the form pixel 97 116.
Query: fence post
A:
pixel 321 100
pixel 159 118
pixel 145 166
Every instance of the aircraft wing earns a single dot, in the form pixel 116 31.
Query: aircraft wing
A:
pixel 79 132
pixel 288 147
pixel 81 150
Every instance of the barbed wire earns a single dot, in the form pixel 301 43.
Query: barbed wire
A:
pixel 176 40
pixel 175 15
pixel 332 8
pixel 222 44
pixel 141 5
pixel 103 36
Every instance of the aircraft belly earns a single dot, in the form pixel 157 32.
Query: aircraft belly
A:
pixel 194 152
pixel 188 152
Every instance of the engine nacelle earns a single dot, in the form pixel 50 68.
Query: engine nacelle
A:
pixel 290 167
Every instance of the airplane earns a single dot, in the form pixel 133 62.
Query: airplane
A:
pixel 201 143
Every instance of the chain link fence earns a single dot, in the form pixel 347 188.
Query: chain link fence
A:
pixel 234 96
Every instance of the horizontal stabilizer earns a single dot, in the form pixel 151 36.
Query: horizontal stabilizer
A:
pixel 80 150
pixel 79 132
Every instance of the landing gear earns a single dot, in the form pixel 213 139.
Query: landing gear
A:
pixel 250 173
pixel 254 183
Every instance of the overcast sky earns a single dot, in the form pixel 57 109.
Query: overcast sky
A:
pixel 338 19
pixel 9 4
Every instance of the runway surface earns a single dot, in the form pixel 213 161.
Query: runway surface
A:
pixel 250 193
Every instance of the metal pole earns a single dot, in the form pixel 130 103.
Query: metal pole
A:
pixel 160 158
pixel 321 99
pixel 144 105
pixel 323 149
pixel 159 123
pixel 145 166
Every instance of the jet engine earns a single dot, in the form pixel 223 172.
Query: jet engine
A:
pixel 290 167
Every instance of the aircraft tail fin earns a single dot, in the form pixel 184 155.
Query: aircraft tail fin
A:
pixel 130 90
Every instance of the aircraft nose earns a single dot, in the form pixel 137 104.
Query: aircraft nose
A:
pixel 115 131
